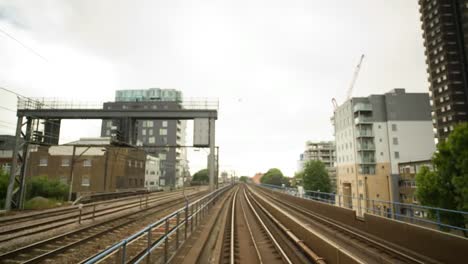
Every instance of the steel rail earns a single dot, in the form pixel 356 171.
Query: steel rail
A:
pixel 344 229
pixel 231 245
pixel 132 219
pixel 277 245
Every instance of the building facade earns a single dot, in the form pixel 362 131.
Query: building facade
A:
pixel 159 138
pixel 373 134
pixel 323 151
pixel 7 144
pixel 407 185
pixel 91 169
pixel 152 173
pixel 445 32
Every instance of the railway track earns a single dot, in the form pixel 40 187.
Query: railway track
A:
pixel 363 248
pixel 17 227
pixel 56 248
pixel 251 236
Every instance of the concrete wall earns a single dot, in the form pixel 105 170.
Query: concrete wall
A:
pixel 416 240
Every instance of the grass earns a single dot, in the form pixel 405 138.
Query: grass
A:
pixel 38 203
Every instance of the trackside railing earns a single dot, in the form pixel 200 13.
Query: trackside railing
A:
pixel 162 238
pixel 426 216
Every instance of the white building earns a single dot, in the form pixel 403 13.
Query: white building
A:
pixel 323 151
pixel 152 173
pixel 373 134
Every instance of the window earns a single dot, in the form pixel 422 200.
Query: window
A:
pixel 162 182
pixel 141 164
pixel 395 141
pixel 109 124
pixel 394 127
pixel 163 132
pixel 65 162
pixel 151 182
pixel 107 132
pixel 130 163
pixel 43 162
pixel 150 132
pixel 379 126
pixel 143 132
pixel 397 155
pixel 164 123
pixel 87 163
pixel 149 123
pixel 85 180
pixel 136 164
pixel 162 156
pixel 151 140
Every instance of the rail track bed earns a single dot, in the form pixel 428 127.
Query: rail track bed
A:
pixel 23 229
pixel 354 246
pixel 76 245
pixel 252 236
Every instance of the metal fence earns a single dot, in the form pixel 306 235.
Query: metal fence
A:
pixel 57 103
pixel 173 231
pixel 426 216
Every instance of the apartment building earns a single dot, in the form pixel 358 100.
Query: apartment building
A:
pixel 407 185
pixel 98 167
pixel 152 173
pixel 373 135
pixel 323 151
pixel 159 138
pixel 445 32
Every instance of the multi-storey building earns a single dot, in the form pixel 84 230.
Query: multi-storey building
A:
pixel 91 165
pixel 323 151
pixel 407 185
pixel 373 134
pixel 152 173
pixel 445 32
pixel 159 138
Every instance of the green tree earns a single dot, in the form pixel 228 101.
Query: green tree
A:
pixel 315 176
pixel 4 180
pixel 447 186
pixel 243 179
pixel 201 177
pixel 275 177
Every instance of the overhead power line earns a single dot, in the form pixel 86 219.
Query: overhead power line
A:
pixel 23 45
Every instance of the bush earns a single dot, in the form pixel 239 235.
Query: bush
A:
pixel 41 203
pixel 4 179
pixel 48 188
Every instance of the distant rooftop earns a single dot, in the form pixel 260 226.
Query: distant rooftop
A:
pixel 91 141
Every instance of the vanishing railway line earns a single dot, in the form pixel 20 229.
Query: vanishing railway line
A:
pixel 73 246
pixel 251 236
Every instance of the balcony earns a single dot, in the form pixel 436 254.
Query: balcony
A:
pixel 362 107
pixel 364 133
pixel 366 147
pixel 366 160
pixel 367 169
pixel 363 120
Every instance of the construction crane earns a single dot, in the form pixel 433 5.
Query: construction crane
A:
pixel 353 81
pixel 356 73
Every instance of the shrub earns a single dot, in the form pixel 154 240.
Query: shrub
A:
pixel 48 188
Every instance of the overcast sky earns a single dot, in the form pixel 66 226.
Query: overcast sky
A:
pixel 273 65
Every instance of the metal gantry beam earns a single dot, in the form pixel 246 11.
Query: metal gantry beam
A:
pixel 15 196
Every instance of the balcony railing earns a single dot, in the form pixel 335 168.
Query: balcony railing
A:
pixel 366 160
pixel 364 133
pixel 363 120
pixel 367 146
pixel 359 107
